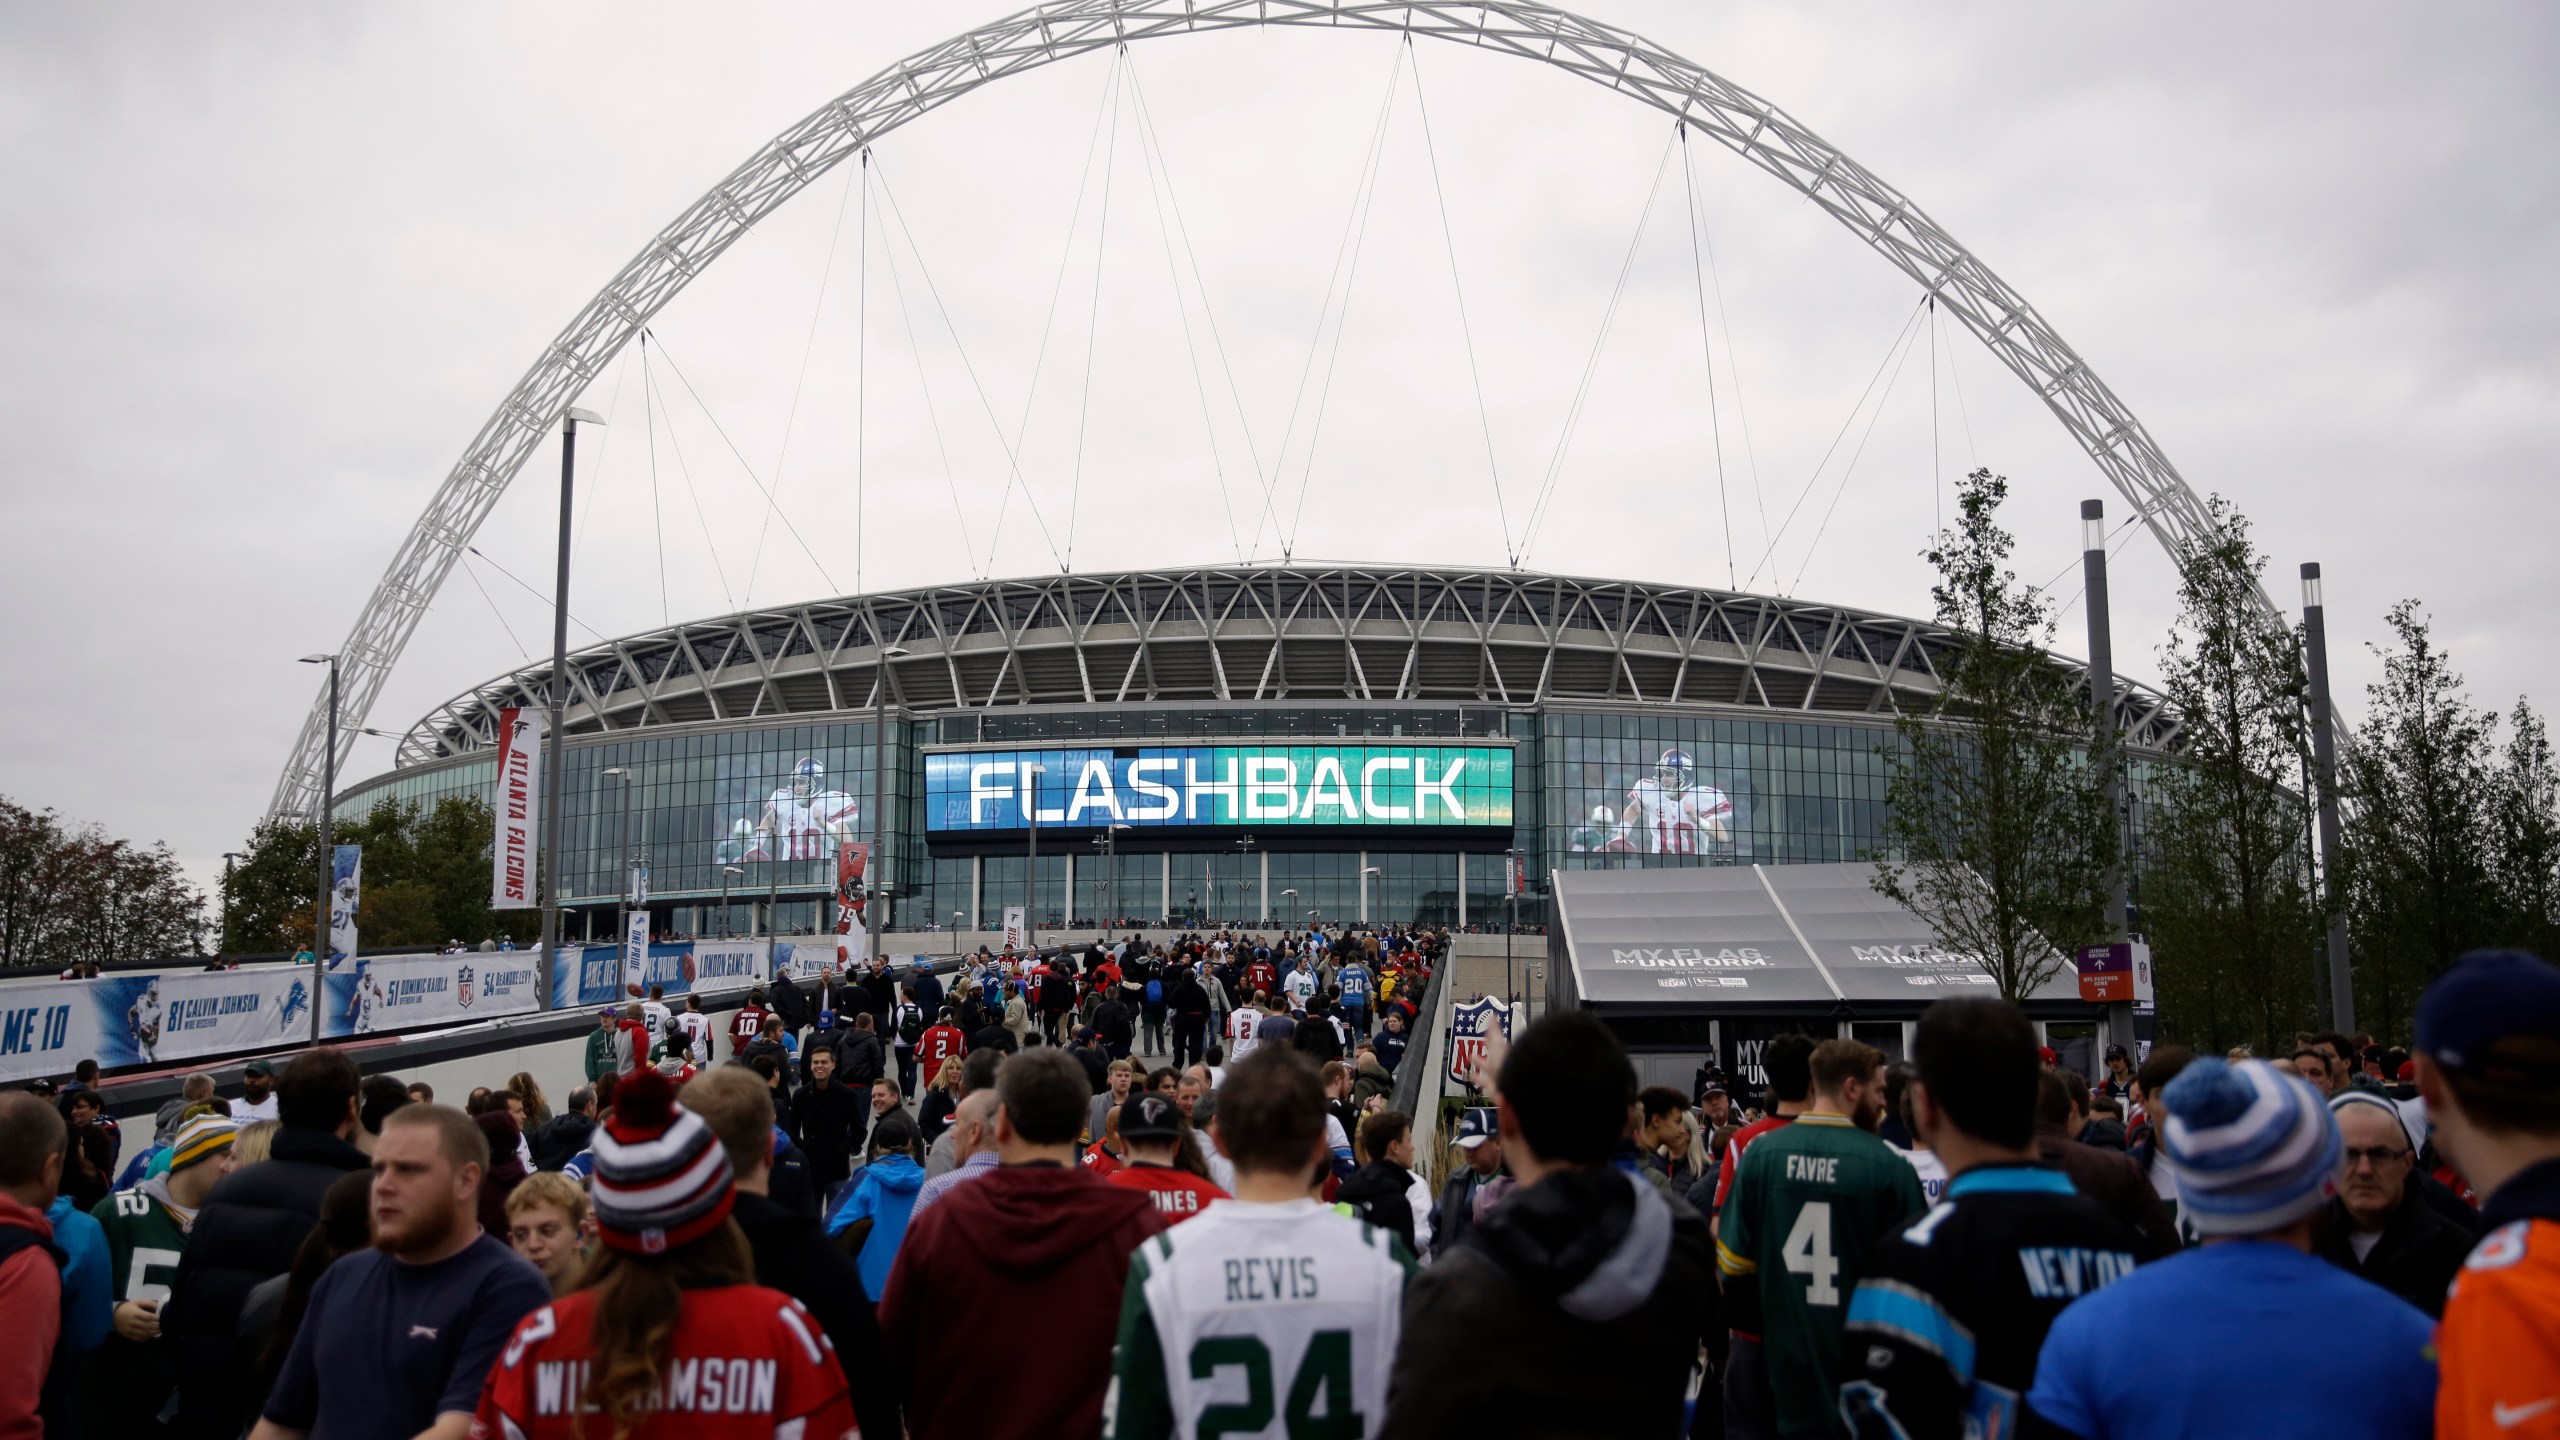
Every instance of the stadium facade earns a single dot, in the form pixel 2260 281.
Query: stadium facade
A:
pixel 1259 743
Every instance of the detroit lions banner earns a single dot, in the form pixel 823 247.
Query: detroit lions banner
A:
pixel 346 886
pixel 635 953
pixel 518 811
pixel 126 1020
pixel 409 991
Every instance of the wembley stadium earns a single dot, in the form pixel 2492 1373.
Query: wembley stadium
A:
pixel 1259 744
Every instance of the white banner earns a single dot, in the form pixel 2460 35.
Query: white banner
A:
pixel 125 1020
pixel 1013 936
pixel 519 811
pixel 407 991
pixel 346 890
pixel 635 953
pixel 728 965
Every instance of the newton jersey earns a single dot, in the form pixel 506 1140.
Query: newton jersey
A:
pixel 747 1364
pixel 1802 1225
pixel 1258 1320
pixel 805 829
pixel 1684 823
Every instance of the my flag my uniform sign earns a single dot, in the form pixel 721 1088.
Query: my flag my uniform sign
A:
pixel 1471 1024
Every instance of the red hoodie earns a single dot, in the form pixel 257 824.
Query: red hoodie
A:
pixel 1045 1241
pixel 31 1294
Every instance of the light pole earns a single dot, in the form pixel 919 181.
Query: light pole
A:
pixel 552 779
pixel 878 868
pixel 1511 931
pixel 1292 897
pixel 772 883
pixel 726 929
pixel 1245 846
pixel 622 912
pixel 328 855
pixel 956 917
pixel 2324 754
pixel 1107 884
pixel 1031 859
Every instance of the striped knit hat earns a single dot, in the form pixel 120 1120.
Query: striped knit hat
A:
pixel 2254 1149
pixel 206 1137
pixel 661 1179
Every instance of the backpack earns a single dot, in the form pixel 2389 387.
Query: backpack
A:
pixel 1155 992
pixel 910 1024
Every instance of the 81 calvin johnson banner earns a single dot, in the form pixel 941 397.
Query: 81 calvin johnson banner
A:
pixel 518 810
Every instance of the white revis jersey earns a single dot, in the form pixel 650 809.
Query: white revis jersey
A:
pixel 1258 1320
pixel 1682 823
pixel 805 829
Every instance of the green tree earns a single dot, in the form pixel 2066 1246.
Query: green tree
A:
pixel 75 895
pixel 2421 799
pixel 2226 892
pixel 426 879
pixel 1998 830
pixel 2527 826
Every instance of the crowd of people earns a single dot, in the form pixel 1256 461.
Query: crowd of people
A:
pixel 1165 1190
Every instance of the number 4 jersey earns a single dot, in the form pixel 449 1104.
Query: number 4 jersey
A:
pixel 1258 1320
pixel 1808 1211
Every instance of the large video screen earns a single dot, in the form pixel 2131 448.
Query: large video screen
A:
pixel 1659 801
pixel 1374 786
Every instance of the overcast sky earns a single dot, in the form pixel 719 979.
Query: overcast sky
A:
pixel 266 268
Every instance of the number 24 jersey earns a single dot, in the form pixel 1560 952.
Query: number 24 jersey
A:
pixel 1258 1320
pixel 1809 1209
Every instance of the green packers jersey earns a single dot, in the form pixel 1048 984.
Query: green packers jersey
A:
pixel 1809 1207
pixel 144 1240
pixel 1258 1320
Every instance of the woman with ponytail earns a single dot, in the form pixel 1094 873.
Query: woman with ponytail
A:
pixel 666 1334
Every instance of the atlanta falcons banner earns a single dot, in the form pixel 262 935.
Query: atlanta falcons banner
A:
pixel 519 810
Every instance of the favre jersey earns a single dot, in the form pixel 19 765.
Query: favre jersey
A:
pixel 747 1364
pixel 1258 1320
pixel 805 829
pixel 1684 823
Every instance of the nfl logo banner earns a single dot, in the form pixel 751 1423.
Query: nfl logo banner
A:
pixel 462 986
pixel 1471 1024
pixel 518 810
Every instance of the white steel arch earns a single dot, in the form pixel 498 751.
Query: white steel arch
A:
pixel 1886 219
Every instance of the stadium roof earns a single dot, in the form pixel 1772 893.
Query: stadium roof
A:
pixel 1247 633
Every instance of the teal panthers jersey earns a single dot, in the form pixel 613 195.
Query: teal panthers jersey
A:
pixel 1810 1207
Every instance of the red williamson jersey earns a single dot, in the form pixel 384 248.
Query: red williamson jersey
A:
pixel 2498 1348
pixel 748 1364
pixel 1178 1194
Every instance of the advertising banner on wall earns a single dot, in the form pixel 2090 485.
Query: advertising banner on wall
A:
pixel 851 861
pixel 635 951
pixel 590 976
pixel 1014 935
pixel 518 810
pixel 1215 786
pixel 124 1020
pixel 1472 1025
pixel 407 992
pixel 346 886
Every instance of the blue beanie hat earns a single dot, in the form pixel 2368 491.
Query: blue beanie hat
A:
pixel 2254 1149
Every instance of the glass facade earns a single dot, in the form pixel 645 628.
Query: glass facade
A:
pixel 764 806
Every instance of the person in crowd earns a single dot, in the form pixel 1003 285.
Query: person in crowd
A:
pixel 671 1294
pixel 548 1224
pixel 654 1012
pixel 379 1095
pixel 1329 1326
pixel 33 1143
pixel 255 1142
pixel 2142 1139
pixel 886 1099
pixel 2222 1348
pixel 697 1031
pixel 747 1023
pixel 535 1104
pixel 504 1172
pixel 398 1339
pixel 907 1024
pixel 1391 1040
pixel 942 1042
pixel 1662 1142
pixel 1945 1327
pixel 860 1058
pixel 2117 1082
pixel 791 1251
pixel 272 1316
pixel 631 1039
pixel 2380 1226
pixel 251 1227
pixel 977 1072
pixel 194 1090
pixel 1118 1077
pixel 602 1056
pixel 1036 1236
pixel 88 1172
pixel 2112 1178
pixel 1824 1186
pixel 1479 1145
pixel 565 1134
pixel 828 1118
pixel 972 1139
pixel 421 1093
pixel 880 1200
pixel 145 1230
pixel 1575 1308
pixel 1186 1004
pixel 934 1110
pixel 257 1093
pixel 2488 1066
pixel 1154 1131
pixel 1108 1152
pixel 1381 1190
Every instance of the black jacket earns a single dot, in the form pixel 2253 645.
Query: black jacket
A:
pixel 2117 1182
pixel 1454 1214
pixel 789 1003
pixel 860 1058
pixel 557 1141
pixel 933 1113
pixel 1379 1192
pixel 2416 1259
pixel 831 1041
pixel 248 1231
pixel 1188 998
pixel 1115 1022
pixel 794 1257
pixel 828 1124
pixel 1576 1308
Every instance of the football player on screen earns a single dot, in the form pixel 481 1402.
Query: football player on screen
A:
pixel 803 820
pixel 1670 813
